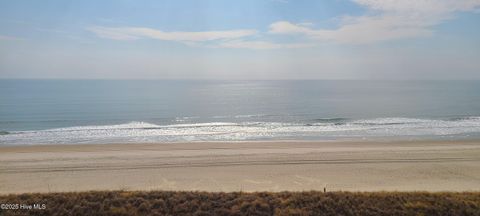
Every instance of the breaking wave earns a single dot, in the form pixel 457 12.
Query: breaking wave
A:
pixel 329 128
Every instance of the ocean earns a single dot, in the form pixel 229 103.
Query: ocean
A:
pixel 130 111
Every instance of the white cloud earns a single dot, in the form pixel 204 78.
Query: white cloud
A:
pixel 259 45
pixel 420 6
pixel 133 33
pixel 284 27
pixel 387 20
pixel 221 39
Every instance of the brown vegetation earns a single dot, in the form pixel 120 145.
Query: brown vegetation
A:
pixel 239 203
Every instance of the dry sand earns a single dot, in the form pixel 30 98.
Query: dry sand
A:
pixel 243 166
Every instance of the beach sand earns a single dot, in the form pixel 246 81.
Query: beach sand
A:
pixel 244 166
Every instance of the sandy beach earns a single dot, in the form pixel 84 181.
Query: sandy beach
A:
pixel 244 166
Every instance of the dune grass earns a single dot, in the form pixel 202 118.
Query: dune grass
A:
pixel 240 203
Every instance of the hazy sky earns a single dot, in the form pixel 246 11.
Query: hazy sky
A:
pixel 244 39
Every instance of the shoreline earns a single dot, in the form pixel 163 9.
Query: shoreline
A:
pixel 472 139
pixel 243 166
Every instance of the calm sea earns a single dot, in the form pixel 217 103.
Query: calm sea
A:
pixel 105 111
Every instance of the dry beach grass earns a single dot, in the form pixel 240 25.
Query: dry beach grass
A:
pixel 238 203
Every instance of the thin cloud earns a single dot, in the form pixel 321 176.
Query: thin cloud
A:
pixel 391 20
pixel 385 20
pixel 211 39
pixel 262 45
pixel 134 33
pixel 220 39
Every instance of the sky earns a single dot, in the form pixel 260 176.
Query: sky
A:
pixel 247 39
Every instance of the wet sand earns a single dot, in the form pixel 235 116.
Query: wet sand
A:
pixel 244 166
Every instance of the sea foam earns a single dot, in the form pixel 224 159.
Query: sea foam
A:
pixel 238 131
